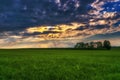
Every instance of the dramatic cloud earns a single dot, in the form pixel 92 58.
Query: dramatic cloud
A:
pixel 19 14
pixel 57 23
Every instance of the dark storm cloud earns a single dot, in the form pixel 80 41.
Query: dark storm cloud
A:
pixel 20 14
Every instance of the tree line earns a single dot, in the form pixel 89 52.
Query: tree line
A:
pixel 94 45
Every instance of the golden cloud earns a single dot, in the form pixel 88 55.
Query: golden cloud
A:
pixel 56 28
pixel 67 35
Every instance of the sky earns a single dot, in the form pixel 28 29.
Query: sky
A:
pixel 58 23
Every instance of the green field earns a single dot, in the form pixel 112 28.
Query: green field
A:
pixel 59 64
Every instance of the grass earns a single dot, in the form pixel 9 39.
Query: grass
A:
pixel 59 64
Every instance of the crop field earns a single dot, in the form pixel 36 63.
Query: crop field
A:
pixel 59 64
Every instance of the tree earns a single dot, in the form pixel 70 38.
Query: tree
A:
pixel 79 45
pixel 86 45
pixel 107 44
pixel 91 44
pixel 99 44
pixel 82 45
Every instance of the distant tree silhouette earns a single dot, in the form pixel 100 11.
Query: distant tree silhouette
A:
pixel 80 45
pixel 99 44
pixel 91 44
pixel 107 44
pixel 94 45
pixel 77 45
pixel 86 45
